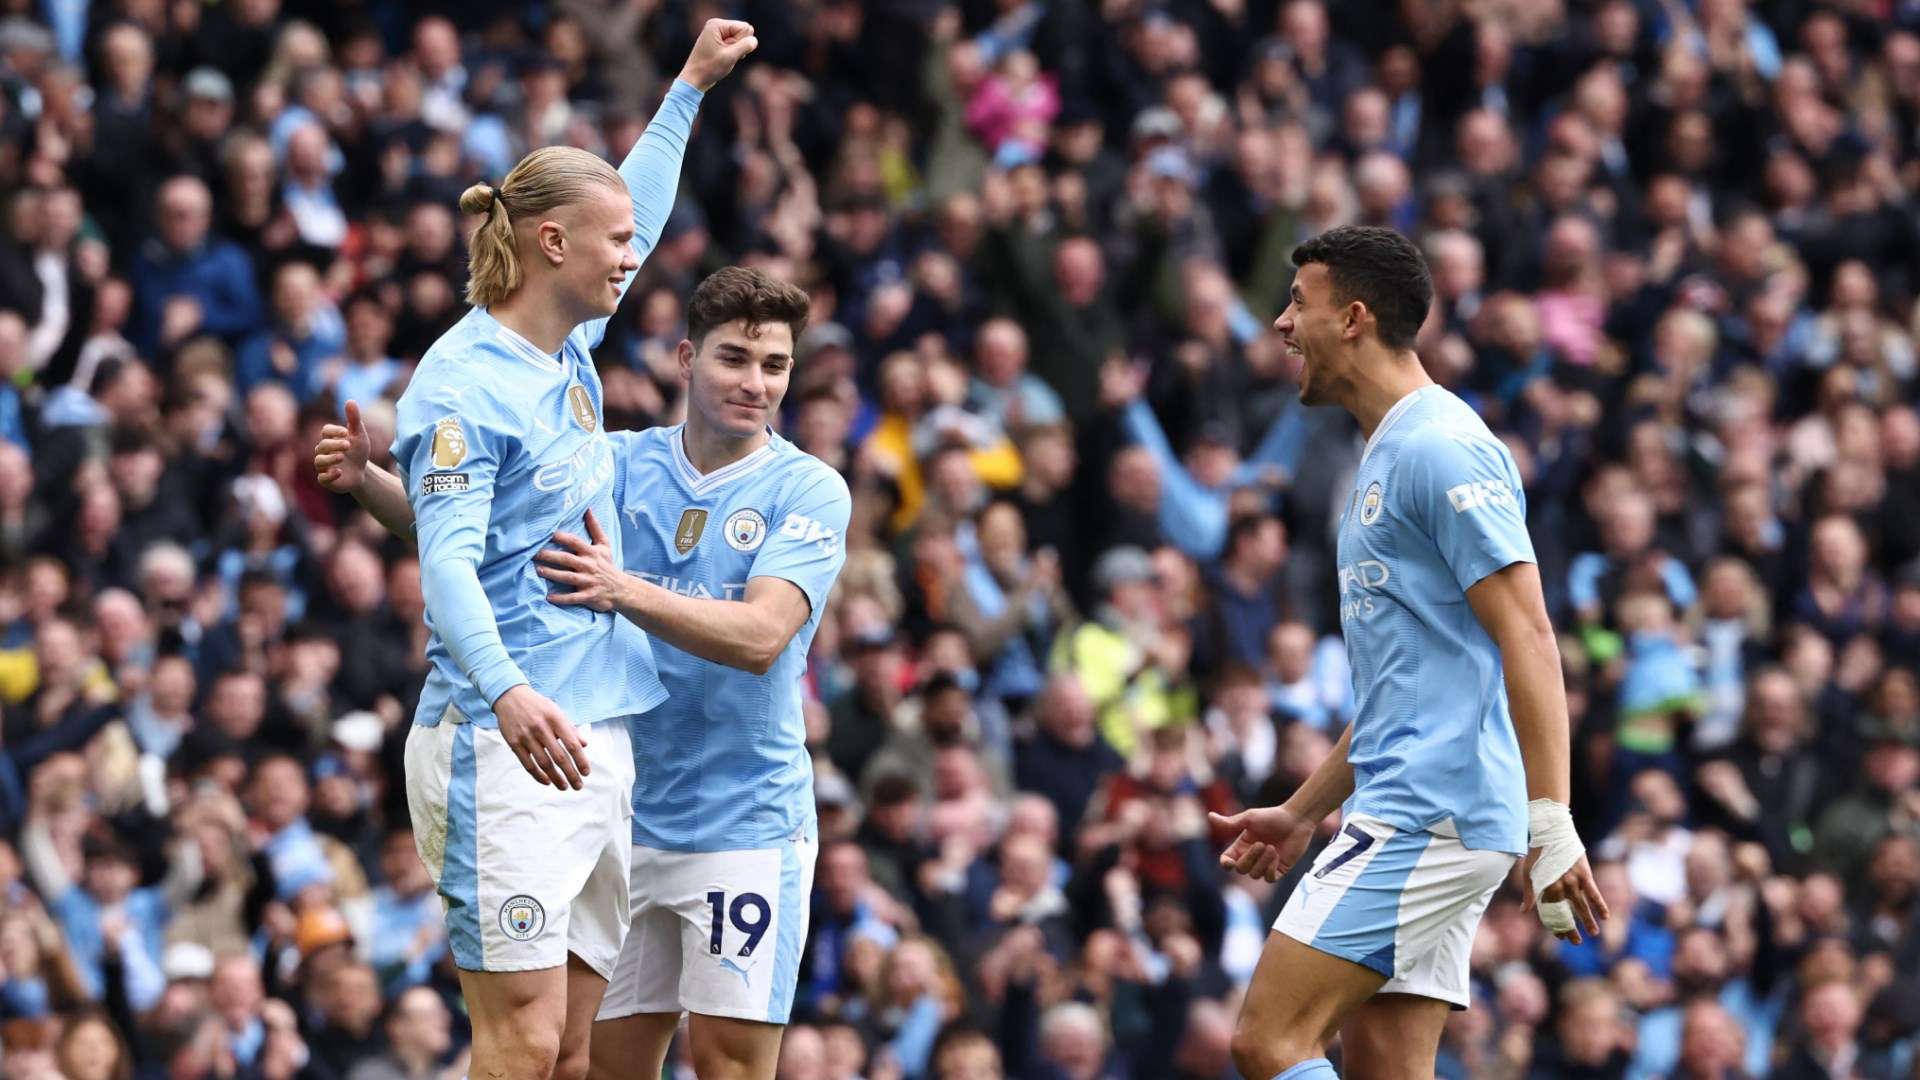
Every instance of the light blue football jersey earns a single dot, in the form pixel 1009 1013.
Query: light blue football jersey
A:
pixel 723 765
pixel 1436 506
pixel 500 444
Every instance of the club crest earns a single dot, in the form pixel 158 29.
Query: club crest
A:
pixel 522 918
pixel 693 523
pixel 449 443
pixel 582 407
pixel 746 530
pixel 1372 503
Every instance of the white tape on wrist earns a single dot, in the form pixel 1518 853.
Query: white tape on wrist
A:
pixel 1550 828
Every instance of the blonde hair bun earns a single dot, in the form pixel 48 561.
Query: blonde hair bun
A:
pixel 478 199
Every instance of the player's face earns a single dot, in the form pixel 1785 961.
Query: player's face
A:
pixel 599 250
pixel 1310 328
pixel 738 376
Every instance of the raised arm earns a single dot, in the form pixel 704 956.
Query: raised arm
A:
pixel 340 464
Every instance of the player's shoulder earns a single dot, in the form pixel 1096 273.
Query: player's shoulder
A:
pixel 646 448
pixel 1447 427
pixel 800 475
pixel 469 371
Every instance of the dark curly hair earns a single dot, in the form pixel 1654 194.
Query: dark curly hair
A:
pixel 737 292
pixel 1381 269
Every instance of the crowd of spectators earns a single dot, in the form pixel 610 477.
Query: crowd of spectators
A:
pixel 1090 592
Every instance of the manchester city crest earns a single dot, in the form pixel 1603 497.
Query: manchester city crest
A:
pixel 522 918
pixel 746 530
pixel 1372 503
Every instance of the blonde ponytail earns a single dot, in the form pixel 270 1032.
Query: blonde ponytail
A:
pixel 550 177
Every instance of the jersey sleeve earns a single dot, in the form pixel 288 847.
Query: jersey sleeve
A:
pixel 1464 490
pixel 652 174
pixel 451 453
pixel 808 544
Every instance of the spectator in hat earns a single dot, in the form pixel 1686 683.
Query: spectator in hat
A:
pixel 1127 660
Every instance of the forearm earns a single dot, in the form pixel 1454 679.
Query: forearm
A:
pixel 1538 702
pixel 381 494
pixel 1329 785
pixel 463 619
pixel 730 632
pixel 652 168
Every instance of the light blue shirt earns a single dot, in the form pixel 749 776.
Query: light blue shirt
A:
pixel 501 444
pixel 1436 506
pixel 723 765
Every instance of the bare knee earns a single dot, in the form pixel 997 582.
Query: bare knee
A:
pixel 734 1049
pixel 1260 1055
pixel 521 1047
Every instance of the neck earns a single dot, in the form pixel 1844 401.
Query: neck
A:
pixel 1378 386
pixel 417 1061
pixel 710 450
pixel 536 318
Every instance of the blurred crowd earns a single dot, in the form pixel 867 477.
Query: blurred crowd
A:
pixel 1090 592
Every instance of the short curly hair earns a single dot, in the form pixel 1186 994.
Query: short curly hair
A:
pixel 738 292
pixel 1381 269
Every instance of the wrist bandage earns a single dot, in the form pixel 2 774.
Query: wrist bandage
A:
pixel 1550 828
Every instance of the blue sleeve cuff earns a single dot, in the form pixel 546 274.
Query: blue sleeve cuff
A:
pixel 686 91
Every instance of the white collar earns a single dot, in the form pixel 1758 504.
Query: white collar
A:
pixel 1393 414
pixel 701 483
pixel 527 350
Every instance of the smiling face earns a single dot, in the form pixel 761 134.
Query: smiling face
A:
pixel 738 375
pixel 596 245
pixel 1312 326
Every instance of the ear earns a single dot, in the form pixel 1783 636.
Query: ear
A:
pixel 552 237
pixel 1356 318
pixel 685 355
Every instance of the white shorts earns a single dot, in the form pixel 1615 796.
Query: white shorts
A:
pixel 1406 904
pixel 716 933
pixel 527 873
